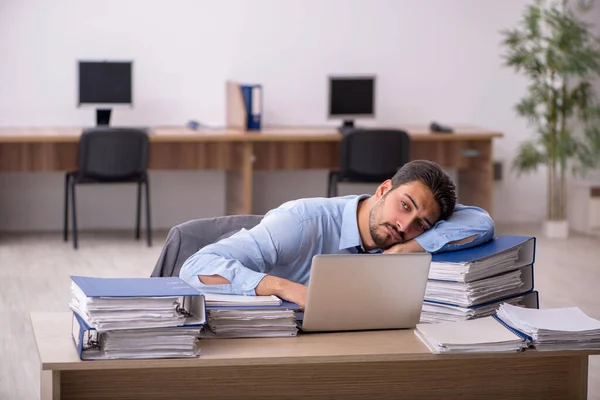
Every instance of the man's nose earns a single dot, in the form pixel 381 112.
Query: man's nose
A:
pixel 404 226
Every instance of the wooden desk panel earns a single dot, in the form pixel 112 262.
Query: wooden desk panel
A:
pixel 378 364
pixel 469 151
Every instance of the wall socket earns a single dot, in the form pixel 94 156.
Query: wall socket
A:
pixel 498 170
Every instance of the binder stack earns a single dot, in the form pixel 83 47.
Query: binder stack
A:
pixel 514 329
pixel 232 316
pixel 472 283
pixel 553 329
pixel 135 317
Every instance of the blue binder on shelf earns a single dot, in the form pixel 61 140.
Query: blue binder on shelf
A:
pixel 253 100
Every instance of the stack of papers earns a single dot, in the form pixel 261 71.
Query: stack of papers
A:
pixel 151 343
pixel 483 335
pixel 471 271
pixel 553 329
pixel 141 343
pixel 247 323
pixel 135 317
pixel 233 316
pixel 470 293
pixel 436 312
pixel 111 313
pixel 226 300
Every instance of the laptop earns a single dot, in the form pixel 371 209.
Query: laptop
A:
pixel 349 292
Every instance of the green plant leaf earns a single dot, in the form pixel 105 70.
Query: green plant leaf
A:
pixel 528 158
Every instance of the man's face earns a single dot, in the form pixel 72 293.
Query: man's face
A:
pixel 402 214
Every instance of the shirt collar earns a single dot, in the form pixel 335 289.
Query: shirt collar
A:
pixel 350 236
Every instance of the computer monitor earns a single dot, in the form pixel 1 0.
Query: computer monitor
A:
pixel 104 84
pixel 351 97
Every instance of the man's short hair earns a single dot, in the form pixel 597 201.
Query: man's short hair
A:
pixel 433 176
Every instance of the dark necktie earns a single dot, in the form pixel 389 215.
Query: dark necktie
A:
pixel 360 250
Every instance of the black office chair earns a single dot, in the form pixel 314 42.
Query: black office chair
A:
pixel 187 238
pixel 369 156
pixel 106 156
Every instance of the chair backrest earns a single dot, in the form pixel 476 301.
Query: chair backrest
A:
pixel 373 154
pixel 187 238
pixel 113 153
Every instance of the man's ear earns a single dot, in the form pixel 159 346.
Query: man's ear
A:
pixel 384 187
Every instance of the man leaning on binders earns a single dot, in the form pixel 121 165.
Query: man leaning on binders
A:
pixel 415 211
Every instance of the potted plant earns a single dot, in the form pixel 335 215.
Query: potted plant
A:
pixel 557 52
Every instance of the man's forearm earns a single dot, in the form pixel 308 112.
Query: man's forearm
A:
pixel 271 285
pixel 412 246
pixel 283 288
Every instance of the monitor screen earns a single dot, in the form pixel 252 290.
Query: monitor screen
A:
pixel 105 82
pixel 351 96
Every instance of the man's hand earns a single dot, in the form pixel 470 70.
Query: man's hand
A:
pixel 412 246
pixel 283 288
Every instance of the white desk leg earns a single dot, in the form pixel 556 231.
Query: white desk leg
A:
pixel 50 385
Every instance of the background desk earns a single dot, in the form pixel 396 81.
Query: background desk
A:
pixel 469 151
pixel 356 365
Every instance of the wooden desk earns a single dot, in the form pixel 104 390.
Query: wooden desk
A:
pixel 469 150
pixel 355 365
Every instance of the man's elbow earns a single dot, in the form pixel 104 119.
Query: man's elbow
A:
pixel 484 232
pixel 488 227
pixel 481 232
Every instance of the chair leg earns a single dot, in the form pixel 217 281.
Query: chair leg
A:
pixel 332 189
pixel 139 211
pixel 74 214
pixel 66 206
pixel 148 227
pixel 335 186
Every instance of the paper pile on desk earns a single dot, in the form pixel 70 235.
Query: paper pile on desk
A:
pixel 233 316
pixel 471 271
pixel 106 314
pixel 436 312
pixel 466 294
pixel 553 329
pixel 482 335
pixel 135 317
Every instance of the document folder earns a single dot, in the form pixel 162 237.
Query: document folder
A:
pixel 134 287
pixel 486 290
pixel 90 343
pixel 244 106
pixel 252 95
pixel 501 254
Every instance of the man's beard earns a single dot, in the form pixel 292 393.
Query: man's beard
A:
pixel 382 241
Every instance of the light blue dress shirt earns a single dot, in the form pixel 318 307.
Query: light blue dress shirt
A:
pixel 288 237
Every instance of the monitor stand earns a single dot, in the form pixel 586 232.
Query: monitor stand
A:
pixel 103 117
pixel 347 125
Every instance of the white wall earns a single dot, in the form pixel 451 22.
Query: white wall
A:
pixel 434 59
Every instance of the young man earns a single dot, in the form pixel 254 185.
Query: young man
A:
pixel 415 211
